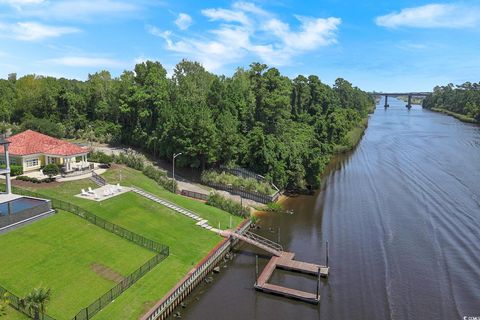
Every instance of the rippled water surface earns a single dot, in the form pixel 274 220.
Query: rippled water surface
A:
pixel 402 218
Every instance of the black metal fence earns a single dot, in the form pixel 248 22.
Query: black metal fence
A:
pixel 252 195
pixel 16 303
pixel 102 223
pixel 116 291
pixel 195 195
pixel 162 252
pixel 242 172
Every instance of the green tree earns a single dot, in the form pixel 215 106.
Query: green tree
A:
pixel 4 302
pixel 51 170
pixel 35 302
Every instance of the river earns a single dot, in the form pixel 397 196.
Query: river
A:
pixel 401 214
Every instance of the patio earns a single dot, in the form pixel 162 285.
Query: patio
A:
pixel 73 175
pixel 103 193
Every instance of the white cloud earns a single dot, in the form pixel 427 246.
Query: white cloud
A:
pixel 82 61
pixel 183 21
pixel 32 31
pixel 226 15
pixel 251 8
pixel 432 16
pixel 248 30
pixel 73 10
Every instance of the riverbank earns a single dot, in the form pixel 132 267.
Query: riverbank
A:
pixel 353 137
pixel 459 116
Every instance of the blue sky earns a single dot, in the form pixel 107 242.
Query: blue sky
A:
pixel 377 45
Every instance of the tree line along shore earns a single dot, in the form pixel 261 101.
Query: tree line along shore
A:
pixel 461 101
pixel 285 129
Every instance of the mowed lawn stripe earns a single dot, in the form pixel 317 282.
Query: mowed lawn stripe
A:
pixel 74 258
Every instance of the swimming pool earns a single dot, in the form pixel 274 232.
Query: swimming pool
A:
pixel 17 205
pixel 22 209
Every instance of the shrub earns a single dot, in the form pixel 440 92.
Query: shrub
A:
pixel 274 207
pixel 160 177
pixel 35 180
pixel 51 170
pixel 249 184
pixel 15 170
pixel 130 159
pixel 231 206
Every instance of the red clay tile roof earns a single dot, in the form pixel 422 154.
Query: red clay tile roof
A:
pixel 31 142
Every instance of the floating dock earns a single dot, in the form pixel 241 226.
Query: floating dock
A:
pixel 285 261
pixel 281 260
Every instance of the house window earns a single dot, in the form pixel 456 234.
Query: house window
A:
pixel 31 163
pixel 2 160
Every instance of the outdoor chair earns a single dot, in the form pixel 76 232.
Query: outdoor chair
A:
pixel 90 190
pixel 96 196
pixel 84 193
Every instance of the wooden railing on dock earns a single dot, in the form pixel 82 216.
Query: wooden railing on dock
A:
pixel 257 241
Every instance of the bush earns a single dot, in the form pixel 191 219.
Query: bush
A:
pixel 15 170
pixel 35 180
pixel 249 184
pixel 160 177
pixel 105 159
pixel 130 159
pixel 228 205
pixel 274 207
pixel 51 170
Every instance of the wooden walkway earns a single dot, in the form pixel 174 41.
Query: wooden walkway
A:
pixel 256 240
pixel 285 261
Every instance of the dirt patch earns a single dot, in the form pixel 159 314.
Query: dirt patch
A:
pixel 28 184
pixel 106 273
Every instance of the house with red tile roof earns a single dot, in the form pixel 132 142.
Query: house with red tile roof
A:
pixel 33 150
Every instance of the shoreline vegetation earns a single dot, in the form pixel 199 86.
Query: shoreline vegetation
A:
pixel 458 116
pixel 354 136
pixel 460 101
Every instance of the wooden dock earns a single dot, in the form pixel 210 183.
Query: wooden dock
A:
pixel 282 260
pixel 285 261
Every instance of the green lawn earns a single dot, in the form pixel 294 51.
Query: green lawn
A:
pixel 77 260
pixel 188 243
pixel 128 177
pixel 12 314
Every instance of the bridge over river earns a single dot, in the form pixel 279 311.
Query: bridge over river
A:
pixel 397 94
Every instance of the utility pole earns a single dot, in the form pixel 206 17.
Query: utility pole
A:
pixel 173 169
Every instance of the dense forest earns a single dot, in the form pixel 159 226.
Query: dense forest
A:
pixel 259 119
pixel 462 99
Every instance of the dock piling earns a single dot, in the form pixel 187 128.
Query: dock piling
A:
pixel 326 258
pixel 256 269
